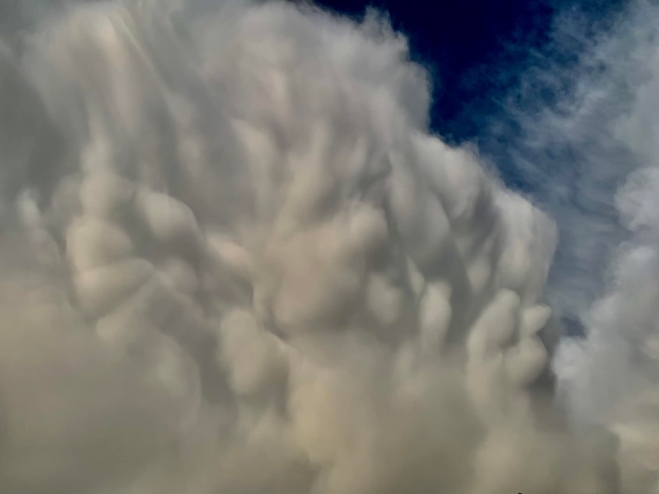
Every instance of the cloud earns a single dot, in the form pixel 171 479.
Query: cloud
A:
pixel 589 157
pixel 234 259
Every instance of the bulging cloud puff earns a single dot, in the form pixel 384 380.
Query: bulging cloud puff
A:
pixel 234 259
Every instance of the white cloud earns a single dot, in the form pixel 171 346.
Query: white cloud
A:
pixel 239 263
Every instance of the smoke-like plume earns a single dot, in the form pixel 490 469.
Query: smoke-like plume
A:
pixel 234 260
pixel 612 377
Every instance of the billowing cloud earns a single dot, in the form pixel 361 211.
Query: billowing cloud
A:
pixel 235 260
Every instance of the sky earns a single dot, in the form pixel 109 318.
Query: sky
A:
pixel 477 50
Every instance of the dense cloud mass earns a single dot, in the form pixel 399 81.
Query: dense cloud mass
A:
pixel 234 260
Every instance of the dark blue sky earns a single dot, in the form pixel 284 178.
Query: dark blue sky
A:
pixel 476 50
